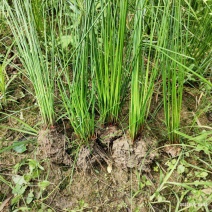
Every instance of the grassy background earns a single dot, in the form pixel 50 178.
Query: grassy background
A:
pixel 86 63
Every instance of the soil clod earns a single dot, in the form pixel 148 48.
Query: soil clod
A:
pixel 52 146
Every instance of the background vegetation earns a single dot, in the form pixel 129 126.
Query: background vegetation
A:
pixel 90 62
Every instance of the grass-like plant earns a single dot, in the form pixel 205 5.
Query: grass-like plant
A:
pixel 4 79
pixel 37 10
pixel 37 56
pixel 144 66
pixel 95 32
pixel 172 62
pixel 200 43
pixel 107 54
pixel 164 48
pixel 76 93
pixel 2 86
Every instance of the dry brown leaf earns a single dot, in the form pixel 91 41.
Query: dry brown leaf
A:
pixel 4 203
pixel 172 150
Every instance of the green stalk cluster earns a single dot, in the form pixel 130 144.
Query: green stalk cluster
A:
pixel 37 57
pixel 4 79
pixel 108 55
pixel 98 50
pixel 77 96
pixel 199 45
pixel 173 73
pixel 144 66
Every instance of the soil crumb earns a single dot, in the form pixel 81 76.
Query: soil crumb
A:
pixel 115 149
pixel 139 155
pixel 51 144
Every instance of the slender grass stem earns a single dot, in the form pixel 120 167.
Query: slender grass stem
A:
pixel 39 66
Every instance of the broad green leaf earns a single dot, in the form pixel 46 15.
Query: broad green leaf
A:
pixel 15 199
pixel 18 179
pixel 201 174
pixel 19 190
pixel 30 197
pixel 180 169
pixel 43 184
pixel 19 148
pixel 33 164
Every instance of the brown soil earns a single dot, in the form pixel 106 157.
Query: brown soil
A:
pixel 108 174
pixel 102 179
pixel 97 190
pixel 51 145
